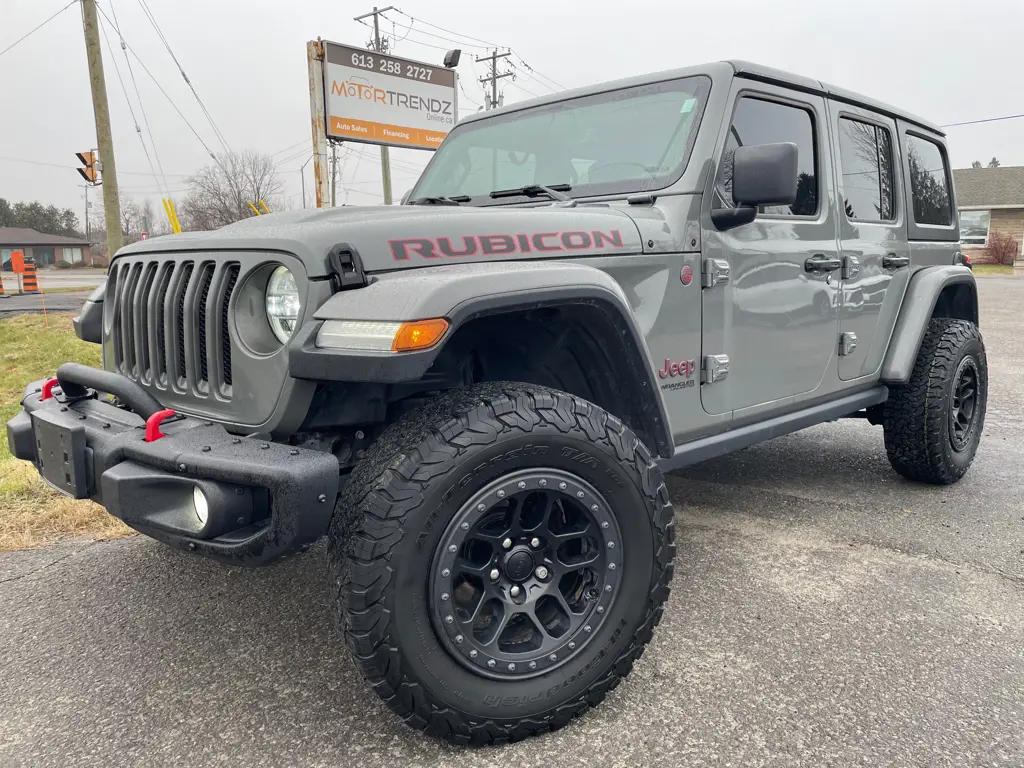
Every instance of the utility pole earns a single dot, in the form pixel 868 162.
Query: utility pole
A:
pixel 302 175
pixel 111 204
pixel 385 155
pixel 334 173
pixel 494 77
pixel 86 211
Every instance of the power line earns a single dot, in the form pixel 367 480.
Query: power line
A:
pixel 37 28
pixel 985 120
pixel 138 95
pixel 167 45
pixel 71 167
pixel 524 88
pixel 437 36
pixel 449 31
pixel 293 146
pixel 522 61
pixel 161 88
pixel 131 111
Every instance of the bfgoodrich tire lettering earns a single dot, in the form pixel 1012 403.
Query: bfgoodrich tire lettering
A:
pixel 396 508
pixel 919 438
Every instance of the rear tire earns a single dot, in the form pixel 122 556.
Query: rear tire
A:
pixel 414 497
pixel 933 423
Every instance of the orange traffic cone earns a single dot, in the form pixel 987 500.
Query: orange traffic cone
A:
pixel 29 280
pixel 2 294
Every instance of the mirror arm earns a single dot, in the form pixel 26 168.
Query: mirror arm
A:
pixel 729 218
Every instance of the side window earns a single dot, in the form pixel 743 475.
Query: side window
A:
pixel 866 160
pixel 757 121
pixel 928 182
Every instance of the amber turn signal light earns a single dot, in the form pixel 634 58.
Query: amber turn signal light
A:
pixel 419 334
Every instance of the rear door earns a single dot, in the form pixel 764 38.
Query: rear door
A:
pixel 775 319
pixel 873 244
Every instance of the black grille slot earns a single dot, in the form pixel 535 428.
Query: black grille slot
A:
pixel 141 322
pixel 225 335
pixel 186 275
pixel 112 304
pixel 127 306
pixel 204 294
pixel 163 283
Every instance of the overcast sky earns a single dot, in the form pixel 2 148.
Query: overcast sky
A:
pixel 946 60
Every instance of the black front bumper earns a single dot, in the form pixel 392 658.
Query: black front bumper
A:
pixel 263 499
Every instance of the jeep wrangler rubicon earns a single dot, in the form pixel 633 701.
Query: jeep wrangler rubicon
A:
pixel 474 394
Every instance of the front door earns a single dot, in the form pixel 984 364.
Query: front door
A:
pixel 872 236
pixel 775 319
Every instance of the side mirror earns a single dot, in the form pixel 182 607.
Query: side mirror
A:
pixel 762 174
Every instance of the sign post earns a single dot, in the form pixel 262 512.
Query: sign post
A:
pixel 374 98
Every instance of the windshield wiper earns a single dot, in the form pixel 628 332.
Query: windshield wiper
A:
pixel 440 200
pixel 554 191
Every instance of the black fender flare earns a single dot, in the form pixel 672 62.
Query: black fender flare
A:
pixel 918 308
pixel 461 293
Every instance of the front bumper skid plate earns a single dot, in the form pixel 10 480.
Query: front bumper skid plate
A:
pixel 264 499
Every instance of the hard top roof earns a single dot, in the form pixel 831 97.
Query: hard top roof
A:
pixel 721 69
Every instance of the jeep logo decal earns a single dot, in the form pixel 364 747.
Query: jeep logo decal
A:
pixel 503 245
pixel 682 368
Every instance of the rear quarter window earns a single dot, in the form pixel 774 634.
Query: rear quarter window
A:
pixel 929 182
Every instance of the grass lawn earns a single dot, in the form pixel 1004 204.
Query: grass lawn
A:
pixel 31 513
pixel 69 289
pixel 992 269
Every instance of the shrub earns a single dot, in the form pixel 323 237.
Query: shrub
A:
pixel 63 265
pixel 1001 248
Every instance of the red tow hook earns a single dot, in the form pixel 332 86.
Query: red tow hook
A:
pixel 154 422
pixel 48 386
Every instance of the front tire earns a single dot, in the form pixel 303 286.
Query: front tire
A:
pixel 547 492
pixel 933 423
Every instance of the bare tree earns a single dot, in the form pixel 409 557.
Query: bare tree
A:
pixel 131 219
pixel 976 164
pixel 221 193
pixel 148 217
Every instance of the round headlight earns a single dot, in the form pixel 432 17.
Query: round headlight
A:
pixel 283 303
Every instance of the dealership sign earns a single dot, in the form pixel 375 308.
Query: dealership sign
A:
pixel 379 99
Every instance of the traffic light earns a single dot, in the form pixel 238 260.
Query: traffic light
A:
pixel 90 173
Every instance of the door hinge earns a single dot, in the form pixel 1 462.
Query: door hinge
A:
pixel 851 267
pixel 847 342
pixel 714 272
pixel 715 368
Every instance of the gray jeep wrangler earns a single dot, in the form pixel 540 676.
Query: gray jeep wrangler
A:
pixel 474 395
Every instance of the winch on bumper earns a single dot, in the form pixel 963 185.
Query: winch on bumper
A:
pixel 184 481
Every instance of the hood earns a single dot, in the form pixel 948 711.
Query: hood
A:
pixel 407 236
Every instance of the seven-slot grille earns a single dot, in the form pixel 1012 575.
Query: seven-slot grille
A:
pixel 169 326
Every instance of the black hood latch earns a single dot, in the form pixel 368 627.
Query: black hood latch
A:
pixel 346 267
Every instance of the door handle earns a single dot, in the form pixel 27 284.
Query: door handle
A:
pixel 819 262
pixel 892 261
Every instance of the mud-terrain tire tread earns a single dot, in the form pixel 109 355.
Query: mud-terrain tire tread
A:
pixel 915 414
pixel 388 483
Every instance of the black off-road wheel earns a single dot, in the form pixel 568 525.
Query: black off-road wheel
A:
pixel 500 559
pixel 934 422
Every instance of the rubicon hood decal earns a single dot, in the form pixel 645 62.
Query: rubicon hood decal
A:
pixel 521 243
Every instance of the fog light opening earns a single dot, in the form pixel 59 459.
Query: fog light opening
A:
pixel 202 506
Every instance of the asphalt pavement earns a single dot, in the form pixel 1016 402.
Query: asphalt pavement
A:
pixel 69 278
pixel 824 612
pixel 34 303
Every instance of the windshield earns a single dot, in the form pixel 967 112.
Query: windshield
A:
pixel 629 140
